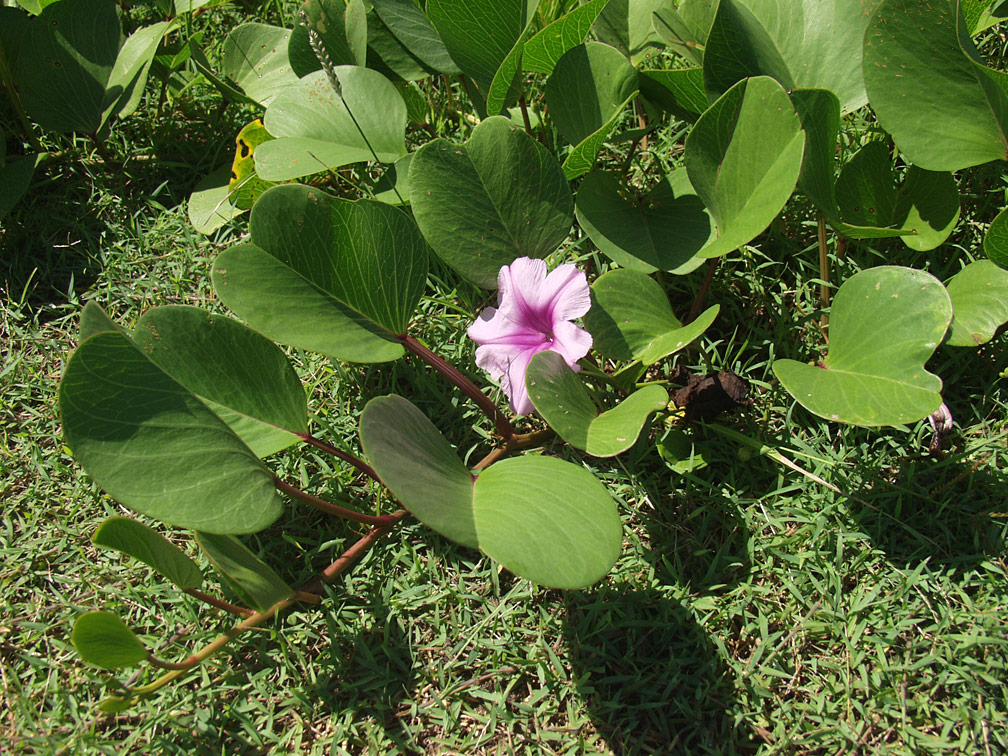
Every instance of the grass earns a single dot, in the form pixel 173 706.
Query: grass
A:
pixel 752 609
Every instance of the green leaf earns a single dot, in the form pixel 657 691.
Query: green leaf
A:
pixel 480 34
pixel 686 28
pixel 544 519
pixel 242 376
pixel 679 91
pixel 255 58
pixel 411 27
pixel 681 452
pixel 388 56
pixel 547 520
pixel 631 319
pixel 979 295
pixel 663 230
pixel 330 275
pixel 885 324
pixel 419 466
pixel 102 639
pixel 995 241
pixel 155 447
pixel 245 572
pixel 918 64
pixel 393 187
pixel 94 320
pixel 68 55
pixel 15 177
pixel 800 43
pixel 981 15
pixel 586 94
pixel 150 547
pixel 124 88
pixel 743 157
pixel 210 205
pixel 627 26
pixel 561 398
pixel 315 131
pixel 923 209
pixel 547 47
pixel 505 86
pixel 499 196
pixel 342 29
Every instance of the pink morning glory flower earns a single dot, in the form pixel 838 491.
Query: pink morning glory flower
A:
pixel 534 312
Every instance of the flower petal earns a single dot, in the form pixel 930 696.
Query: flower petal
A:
pixel 571 342
pixel 565 294
pixel 513 382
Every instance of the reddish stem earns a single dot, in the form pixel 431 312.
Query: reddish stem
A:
pixel 360 464
pixel 328 507
pixel 449 371
pixel 206 598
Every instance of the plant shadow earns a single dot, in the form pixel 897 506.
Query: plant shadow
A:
pixel 698 538
pixel 947 512
pixel 650 677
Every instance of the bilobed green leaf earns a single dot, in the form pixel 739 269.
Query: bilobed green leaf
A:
pixel 560 396
pixel 743 157
pixel 342 29
pixel 410 25
pixel 326 274
pixel 68 55
pixel 544 519
pixel 481 204
pixel 150 547
pixel 155 447
pixel 242 376
pixel 586 93
pixel 885 324
pixel 419 466
pixel 631 319
pixel 315 131
pixel 247 573
pixel 102 639
pixel 995 241
pixel 801 43
pixel 919 63
pixel 547 47
pixel 627 26
pixel 547 520
pixel 255 58
pixel 979 295
pixel 663 230
pixel 679 91
pixel 923 209
pixel 480 34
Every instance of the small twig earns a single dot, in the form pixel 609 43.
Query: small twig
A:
pixel 206 598
pixel 702 294
pixel 360 464
pixel 449 371
pixel 329 507
pixel 824 275
pixel 525 115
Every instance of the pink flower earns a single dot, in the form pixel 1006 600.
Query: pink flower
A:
pixel 534 312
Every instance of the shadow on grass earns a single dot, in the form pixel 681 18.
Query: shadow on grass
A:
pixel 946 512
pixel 650 676
pixel 697 538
